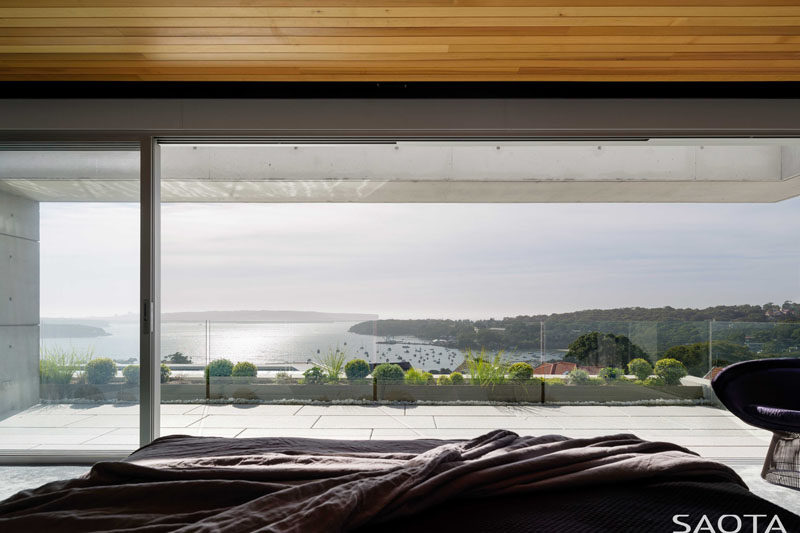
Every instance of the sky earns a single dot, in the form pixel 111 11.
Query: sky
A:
pixel 423 260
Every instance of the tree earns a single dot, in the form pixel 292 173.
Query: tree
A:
pixel 177 358
pixel 604 349
pixel 695 356
pixel 640 368
pixel 670 370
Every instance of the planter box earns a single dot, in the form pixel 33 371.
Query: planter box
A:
pixel 531 392
pixel 619 393
pixel 125 392
pixel 254 389
pixel 247 388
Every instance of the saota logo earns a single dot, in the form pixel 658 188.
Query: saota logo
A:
pixel 729 523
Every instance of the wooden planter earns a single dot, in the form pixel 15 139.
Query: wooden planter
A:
pixel 622 392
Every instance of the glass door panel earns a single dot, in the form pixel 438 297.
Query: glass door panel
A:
pixel 69 318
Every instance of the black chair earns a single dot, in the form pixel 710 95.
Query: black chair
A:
pixel 766 393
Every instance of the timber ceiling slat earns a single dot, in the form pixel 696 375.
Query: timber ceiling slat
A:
pixel 400 40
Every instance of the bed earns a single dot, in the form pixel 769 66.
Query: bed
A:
pixel 497 482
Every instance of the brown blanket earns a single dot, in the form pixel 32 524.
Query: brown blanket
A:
pixel 183 483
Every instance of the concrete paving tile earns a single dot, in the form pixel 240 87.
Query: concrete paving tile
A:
pixel 398 433
pixel 497 422
pixel 35 436
pixel 444 434
pixel 358 434
pixel 131 421
pixel 124 449
pixel 103 409
pixel 7 447
pixel 227 421
pixel 43 421
pixel 202 431
pixel 384 421
pixel 181 408
pixel 127 436
pixel 709 422
pixel 251 410
pixel 743 433
pixel 342 410
pixel 728 452
pixel 688 441
pixel 454 410
pixel 575 433
pixel 615 423
pixel 672 410
pixel 566 410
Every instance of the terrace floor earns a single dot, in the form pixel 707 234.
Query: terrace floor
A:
pixel 711 432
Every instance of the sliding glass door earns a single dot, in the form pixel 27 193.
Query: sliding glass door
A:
pixel 350 290
pixel 346 289
pixel 69 291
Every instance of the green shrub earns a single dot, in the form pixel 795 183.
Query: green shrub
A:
pixel 57 365
pixel 388 372
pixel 641 368
pixel 166 372
pixel 578 377
pixel 418 377
pixel 219 369
pixel 654 381
pixel 610 373
pixel 554 382
pixel 444 380
pixel 284 378
pixel 100 371
pixel 671 370
pixel 131 373
pixel 457 378
pixel 520 372
pixel 356 369
pixel 244 369
pixel 314 376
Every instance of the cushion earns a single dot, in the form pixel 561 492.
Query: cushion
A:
pixel 776 414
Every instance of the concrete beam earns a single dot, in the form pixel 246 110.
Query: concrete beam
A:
pixel 702 170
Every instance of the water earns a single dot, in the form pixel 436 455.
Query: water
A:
pixel 265 343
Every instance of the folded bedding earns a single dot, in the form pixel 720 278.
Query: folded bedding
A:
pixel 182 483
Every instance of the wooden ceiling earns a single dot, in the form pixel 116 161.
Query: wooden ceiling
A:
pixel 400 40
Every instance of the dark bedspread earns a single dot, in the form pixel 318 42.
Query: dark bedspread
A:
pixel 497 482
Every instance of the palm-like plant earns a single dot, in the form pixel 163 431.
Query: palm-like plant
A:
pixel 485 370
pixel 332 362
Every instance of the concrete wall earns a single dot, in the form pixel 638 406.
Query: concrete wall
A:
pixel 19 302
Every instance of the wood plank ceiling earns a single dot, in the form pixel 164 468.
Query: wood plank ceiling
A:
pixel 400 40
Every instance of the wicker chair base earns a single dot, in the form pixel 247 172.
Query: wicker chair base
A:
pixel 782 464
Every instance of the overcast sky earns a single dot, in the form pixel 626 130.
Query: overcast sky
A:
pixel 423 260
